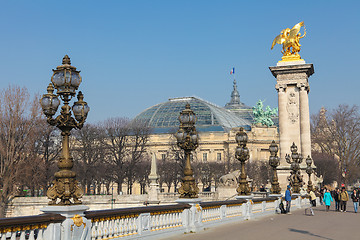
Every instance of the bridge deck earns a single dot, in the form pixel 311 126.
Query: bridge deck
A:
pixel 324 225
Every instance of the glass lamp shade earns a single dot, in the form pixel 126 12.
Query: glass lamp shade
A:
pixel 238 151
pixel 308 161
pixel 273 147
pixel 194 137
pixel 187 116
pixel 274 161
pixel 49 102
pixel 293 148
pixel 241 137
pixel 80 108
pixel 66 80
pixel 180 135
pixel 184 118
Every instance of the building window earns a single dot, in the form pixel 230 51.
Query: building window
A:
pixel 163 157
pixel 218 157
pixel 204 157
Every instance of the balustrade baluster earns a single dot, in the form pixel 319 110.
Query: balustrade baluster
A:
pixel 116 227
pixel 93 230
pixel 40 235
pixel 32 235
pixel 13 235
pixel 100 229
pixel 111 227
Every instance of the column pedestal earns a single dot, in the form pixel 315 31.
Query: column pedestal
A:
pixel 74 227
pixel 194 219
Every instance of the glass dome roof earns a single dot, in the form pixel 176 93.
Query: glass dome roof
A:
pixel 163 117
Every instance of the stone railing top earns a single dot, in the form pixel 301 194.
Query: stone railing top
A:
pixel 136 210
pixel 264 199
pixel 42 219
pixel 219 203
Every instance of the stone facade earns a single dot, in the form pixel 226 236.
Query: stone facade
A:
pixel 219 146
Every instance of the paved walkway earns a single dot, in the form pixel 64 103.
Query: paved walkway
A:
pixel 324 225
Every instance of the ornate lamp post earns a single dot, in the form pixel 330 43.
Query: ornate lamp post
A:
pixel 309 171
pixel 187 139
pixel 242 154
pixel 66 79
pixel 295 178
pixel 274 162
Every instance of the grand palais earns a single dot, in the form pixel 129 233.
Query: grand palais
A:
pixel 217 127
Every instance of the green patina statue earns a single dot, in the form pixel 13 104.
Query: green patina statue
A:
pixel 264 117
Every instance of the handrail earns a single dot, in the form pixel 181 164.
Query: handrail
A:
pixel 134 211
pixel 219 203
pixel 41 221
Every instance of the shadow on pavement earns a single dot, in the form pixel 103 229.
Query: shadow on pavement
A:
pixel 308 233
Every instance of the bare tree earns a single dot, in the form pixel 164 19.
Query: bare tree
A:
pixel 89 155
pixel 48 147
pixel 142 172
pixel 18 117
pixel 337 134
pixel 327 167
pixel 116 132
pixel 138 139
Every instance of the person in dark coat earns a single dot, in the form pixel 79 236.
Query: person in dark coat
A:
pixel 336 194
pixel 355 198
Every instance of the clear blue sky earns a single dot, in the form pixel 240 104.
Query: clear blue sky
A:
pixel 135 54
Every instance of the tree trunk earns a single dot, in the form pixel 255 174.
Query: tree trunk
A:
pixel 3 208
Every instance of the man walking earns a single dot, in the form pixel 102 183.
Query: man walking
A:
pixel 288 199
pixel 344 197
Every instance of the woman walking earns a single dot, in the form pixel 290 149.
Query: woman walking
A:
pixel 327 199
pixel 355 198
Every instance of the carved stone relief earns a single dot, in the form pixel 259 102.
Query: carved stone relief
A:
pixel 292 107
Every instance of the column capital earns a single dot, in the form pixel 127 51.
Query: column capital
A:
pixel 303 86
pixel 280 87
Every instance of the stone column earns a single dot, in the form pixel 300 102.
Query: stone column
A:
pixel 294 121
pixel 304 121
pixel 284 136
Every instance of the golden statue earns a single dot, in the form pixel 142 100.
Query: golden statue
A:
pixel 289 38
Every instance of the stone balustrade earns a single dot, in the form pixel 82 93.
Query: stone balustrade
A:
pixel 149 222
pixel 30 227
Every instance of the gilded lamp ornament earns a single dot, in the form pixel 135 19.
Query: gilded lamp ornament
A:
pixel 295 179
pixel 309 171
pixel 289 38
pixel 242 154
pixel 274 162
pixel 187 139
pixel 66 80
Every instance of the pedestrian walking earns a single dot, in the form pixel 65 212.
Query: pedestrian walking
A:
pixel 336 195
pixel 327 199
pixel 355 198
pixel 288 199
pixel 312 201
pixel 344 197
